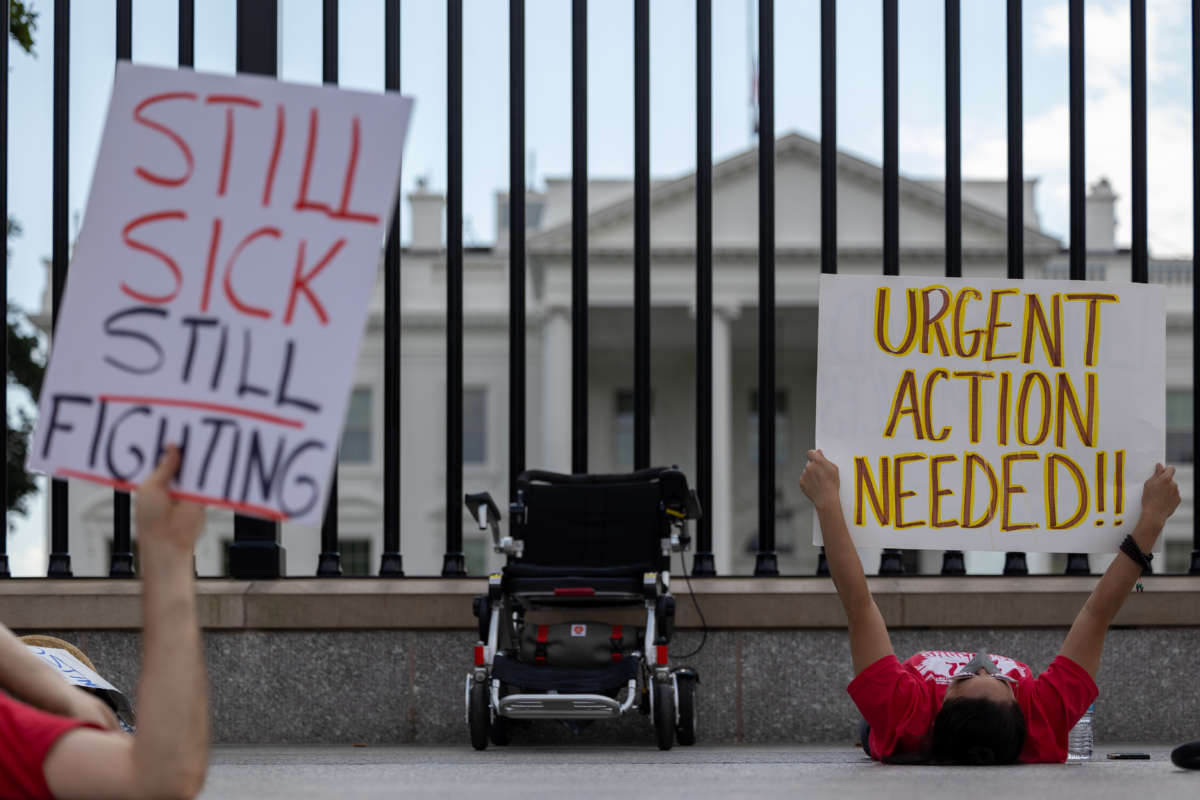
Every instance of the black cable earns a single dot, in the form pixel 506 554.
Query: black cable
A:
pixel 703 623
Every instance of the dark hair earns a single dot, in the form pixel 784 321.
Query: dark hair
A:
pixel 977 731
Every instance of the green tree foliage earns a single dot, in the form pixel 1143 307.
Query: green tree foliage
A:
pixel 25 368
pixel 22 22
pixel 26 363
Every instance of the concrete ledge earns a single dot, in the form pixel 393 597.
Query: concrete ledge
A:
pixel 727 603
pixel 756 686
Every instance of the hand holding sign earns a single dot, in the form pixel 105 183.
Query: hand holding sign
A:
pixel 982 416
pixel 820 479
pixel 1160 495
pixel 162 520
pixel 219 287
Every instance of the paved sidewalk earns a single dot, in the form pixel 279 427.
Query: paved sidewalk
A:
pixel 263 773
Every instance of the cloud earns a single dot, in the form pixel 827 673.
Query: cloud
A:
pixel 1108 134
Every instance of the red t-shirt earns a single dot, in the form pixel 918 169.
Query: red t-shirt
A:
pixel 899 701
pixel 26 736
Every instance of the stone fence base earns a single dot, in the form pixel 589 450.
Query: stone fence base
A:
pixel 394 686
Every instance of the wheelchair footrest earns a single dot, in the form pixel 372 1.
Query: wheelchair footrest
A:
pixel 565 680
pixel 559 706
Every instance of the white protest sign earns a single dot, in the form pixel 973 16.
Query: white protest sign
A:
pixel 990 414
pixel 219 287
pixel 77 673
pixel 71 668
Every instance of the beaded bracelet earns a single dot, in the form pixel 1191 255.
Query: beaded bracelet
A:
pixel 1130 548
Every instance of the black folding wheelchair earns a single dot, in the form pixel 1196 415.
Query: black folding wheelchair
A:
pixel 576 544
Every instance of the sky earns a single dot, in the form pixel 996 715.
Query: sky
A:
pixel 672 101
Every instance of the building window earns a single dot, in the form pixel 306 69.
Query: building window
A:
pixel 356 436
pixel 1179 427
pixel 623 428
pixel 1177 555
pixel 474 431
pixel 356 556
pixel 475 550
pixel 781 427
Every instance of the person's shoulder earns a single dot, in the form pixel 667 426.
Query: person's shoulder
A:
pixel 883 671
pixel 1064 670
pixel 26 735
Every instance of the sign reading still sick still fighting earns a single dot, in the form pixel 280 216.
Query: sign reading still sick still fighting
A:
pixel 990 414
pixel 219 287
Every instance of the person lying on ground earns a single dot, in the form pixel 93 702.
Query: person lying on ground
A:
pixel 974 708
pixel 58 741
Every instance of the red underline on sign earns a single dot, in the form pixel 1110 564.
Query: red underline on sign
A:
pixel 126 486
pixel 172 401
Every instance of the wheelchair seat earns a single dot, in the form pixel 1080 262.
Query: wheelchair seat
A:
pixel 572 582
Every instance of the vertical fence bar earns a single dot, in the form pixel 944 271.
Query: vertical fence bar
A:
pixel 953 562
pixel 891 140
pixel 828 161
pixel 60 549
pixel 1137 63
pixel 1194 567
pixel 702 562
pixel 641 234
pixel 1014 561
pixel 256 551
pixel 889 561
pixel 766 562
pixel 1077 563
pixel 953 143
pixel 1140 249
pixel 187 33
pixel 329 562
pixel 453 564
pixel 121 558
pixel 579 259
pixel 516 243
pixel 4 571
pixel 391 564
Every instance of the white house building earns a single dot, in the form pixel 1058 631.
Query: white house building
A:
pixel 610 259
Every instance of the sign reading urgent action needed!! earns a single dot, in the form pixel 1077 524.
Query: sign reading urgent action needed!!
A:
pixel 219 287
pixel 990 414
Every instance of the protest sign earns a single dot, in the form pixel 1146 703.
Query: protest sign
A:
pixel 77 673
pixel 219 287
pixel 71 668
pixel 990 414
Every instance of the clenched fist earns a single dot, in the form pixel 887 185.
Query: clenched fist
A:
pixel 1160 494
pixel 820 480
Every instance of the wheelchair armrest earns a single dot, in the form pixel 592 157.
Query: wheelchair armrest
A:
pixel 487 515
pixel 483 500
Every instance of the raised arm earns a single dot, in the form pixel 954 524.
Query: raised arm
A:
pixel 1085 640
pixel 168 756
pixel 869 640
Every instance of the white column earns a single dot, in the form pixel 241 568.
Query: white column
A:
pixel 556 390
pixel 721 512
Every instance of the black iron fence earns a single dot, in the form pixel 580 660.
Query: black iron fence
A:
pixel 256 550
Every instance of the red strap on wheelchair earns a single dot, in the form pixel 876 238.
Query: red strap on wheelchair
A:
pixel 614 643
pixel 539 652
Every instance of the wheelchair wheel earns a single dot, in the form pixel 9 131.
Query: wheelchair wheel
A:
pixel 664 715
pixel 685 731
pixel 498 727
pixel 478 715
pixel 498 731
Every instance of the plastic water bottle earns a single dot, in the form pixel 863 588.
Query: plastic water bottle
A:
pixel 1079 741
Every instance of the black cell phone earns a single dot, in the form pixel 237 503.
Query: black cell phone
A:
pixel 1129 756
